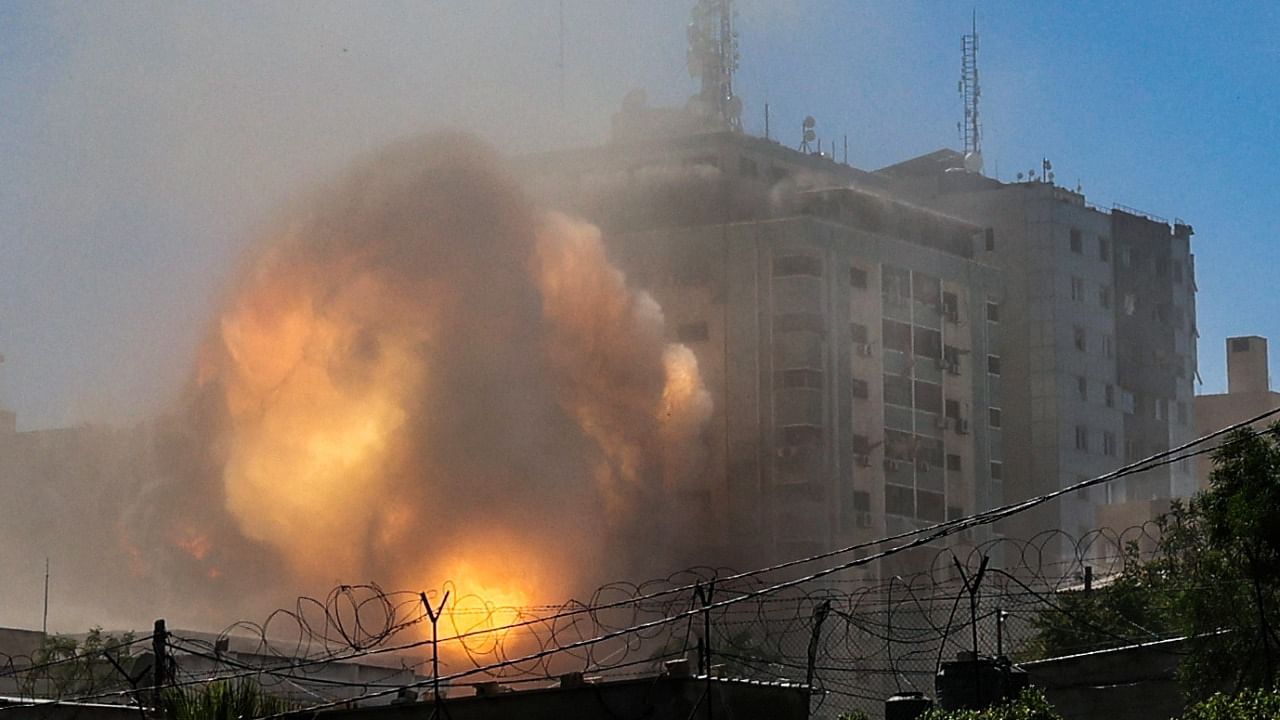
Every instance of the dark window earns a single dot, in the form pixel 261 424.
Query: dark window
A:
pixel 1078 336
pixel 997 470
pixel 897 390
pixel 928 343
pixel 928 396
pixel 993 417
pixel 951 306
pixel 1082 438
pixel 800 435
pixel 897 336
pixel 954 512
pixel 862 501
pixel 993 364
pixel 990 239
pixel 993 312
pixel 953 409
pixel 692 332
pixel 1104 249
pixel 790 265
pixel 859 388
pixel 802 378
pixel 861 445
pixel 1239 344
pixel 951 358
pixel 1104 297
pixel 796 322
pixel 858 333
pixel 953 463
pixel 1077 241
pixel 899 500
pixel 1082 387
pixel 857 277
pixel 930 506
pixel 1109 395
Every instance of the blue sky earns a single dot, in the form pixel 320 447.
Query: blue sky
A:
pixel 145 143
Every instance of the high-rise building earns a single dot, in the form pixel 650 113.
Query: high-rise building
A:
pixel 852 342
pixel 1098 333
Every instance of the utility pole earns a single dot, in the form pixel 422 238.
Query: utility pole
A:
pixel 44 623
pixel 160 673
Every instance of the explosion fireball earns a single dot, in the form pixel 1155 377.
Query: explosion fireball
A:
pixel 426 379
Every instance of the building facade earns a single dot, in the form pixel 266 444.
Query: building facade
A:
pixel 1248 395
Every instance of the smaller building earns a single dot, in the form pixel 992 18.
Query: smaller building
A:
pixel 1248 394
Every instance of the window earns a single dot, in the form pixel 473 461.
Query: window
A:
pixel 899 500
pixel 1082 388
pixel 993 364
pixel 1126 256
pixel 1108 443
pixel 928 343
pixel 1104 249
pixel 997 470
pixel 953 409
pixel 1109 395
pixel 897 390
pixel 793 265
pixel 797 322
pixel 802 378
pixel 1104 297
pixel 1077 289
pixel 993 417
pixel 859 387
pixel 692 332
pixel 930 506
pixel 858 277
pixel 993 312
pixel 1240 344
pixel 990 239
pixel 926 288
pixel 1077 241
pixel 858 333
pixel 1128 402
pixel 1082 438
pixel 951 307
pixel 951 359
pixel 928 396
pixel 953 463
pixel 895 285
pixel 1079 338
pixel 1161 408
pixel 1108 346
pixel 1130 304
pixel 897 336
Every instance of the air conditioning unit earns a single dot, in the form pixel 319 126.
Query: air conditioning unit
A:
pixel 862 519
pixel 952 315
pixel 922 466
pixel 940 363
pixel 891 465
pixel 862 460
pixel 962 426
pixel 864 349
pixel 953 367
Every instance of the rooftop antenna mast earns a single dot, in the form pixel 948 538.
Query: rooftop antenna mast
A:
pixel 971 128
pixel 713 58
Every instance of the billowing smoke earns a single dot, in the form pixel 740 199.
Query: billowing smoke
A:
pixel 421 377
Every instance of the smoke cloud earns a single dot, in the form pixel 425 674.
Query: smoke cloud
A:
pixel 421 377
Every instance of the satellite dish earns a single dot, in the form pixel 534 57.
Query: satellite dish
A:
pixel 809 136
pixel 809 122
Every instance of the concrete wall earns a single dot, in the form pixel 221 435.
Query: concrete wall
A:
pixel 1136 683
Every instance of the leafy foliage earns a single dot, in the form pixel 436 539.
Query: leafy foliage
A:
pixel 1246 705
pixel 1030 705
pixel 222 700
pixel 1215 579
pixel 64 666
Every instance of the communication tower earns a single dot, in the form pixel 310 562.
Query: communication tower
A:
pixel 971 128
pixel 713 58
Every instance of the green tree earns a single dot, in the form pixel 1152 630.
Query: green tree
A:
pixel 1030 705
pixel 66 667
pixel 221 700
pixel 1215 579
pixel 1246 705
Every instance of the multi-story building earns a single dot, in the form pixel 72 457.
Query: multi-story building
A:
pixel 1098 338
pixel 1248 395
pixel 851 341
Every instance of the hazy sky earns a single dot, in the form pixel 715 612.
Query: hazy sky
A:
pixel 143 143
